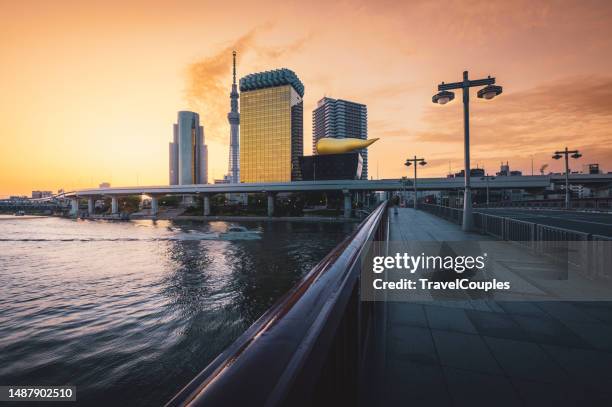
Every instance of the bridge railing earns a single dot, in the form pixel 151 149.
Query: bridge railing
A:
pixel 599 256
pixel 453 214
pixel 590 253
pixel 310 347
pixel 592 203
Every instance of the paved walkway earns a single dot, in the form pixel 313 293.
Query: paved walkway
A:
pixel 491 353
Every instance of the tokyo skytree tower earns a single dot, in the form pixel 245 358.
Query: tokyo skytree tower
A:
pixel 233 117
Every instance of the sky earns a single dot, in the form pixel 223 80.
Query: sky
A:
pixel 89 90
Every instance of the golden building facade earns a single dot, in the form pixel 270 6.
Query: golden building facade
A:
pixel 271 131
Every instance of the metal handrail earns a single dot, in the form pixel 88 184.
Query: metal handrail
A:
pixel 286 354
pixel 589 252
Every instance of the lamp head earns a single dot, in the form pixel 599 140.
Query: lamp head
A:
pixel 576 155
pixel 556 156
pixel 443 97
pixel 489 92
pixel 423 163
pixel 408 163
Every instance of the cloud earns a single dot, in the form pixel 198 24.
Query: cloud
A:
pixel 208 80
pixel 393 90
pixel 280 51
pixel 208 84
pixel 576 111
pixel 520 126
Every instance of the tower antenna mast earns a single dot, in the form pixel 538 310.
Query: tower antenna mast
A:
pixel 234 66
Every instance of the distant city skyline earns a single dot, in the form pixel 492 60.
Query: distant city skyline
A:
pixel 88 93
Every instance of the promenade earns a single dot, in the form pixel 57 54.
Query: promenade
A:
pixel 484 352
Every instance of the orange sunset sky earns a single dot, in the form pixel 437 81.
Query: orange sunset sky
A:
pixel 89 90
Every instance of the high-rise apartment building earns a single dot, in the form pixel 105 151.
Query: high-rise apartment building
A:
pixel 341 119
pixel 188 153
pixel 272 126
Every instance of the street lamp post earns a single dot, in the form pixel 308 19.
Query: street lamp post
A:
pixel 444 96
pixel 415 161
pixel 574 154
pixel 486 178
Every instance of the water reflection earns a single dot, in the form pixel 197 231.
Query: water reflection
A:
pixel 130 312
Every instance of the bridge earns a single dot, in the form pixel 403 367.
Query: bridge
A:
pixel 346 186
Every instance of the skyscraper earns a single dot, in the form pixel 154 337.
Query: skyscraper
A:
pixel 341 119
pixel 233 117
pixel 188 153
pixel 272 126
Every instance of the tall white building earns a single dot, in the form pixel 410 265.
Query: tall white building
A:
pixel 188 153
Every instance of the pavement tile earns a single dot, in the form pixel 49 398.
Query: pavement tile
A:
pixel 599 310
pixel 522 308
pixel 526 360
pixel 410 383
pixel 406 313
pixel 411 343
pixel 538 394
pixel 477 389
pixel 549 331
pixel 496 324
pixel 449 319
pixel 565 311
pixel 464 351
pixel 591 369
pixel 597 335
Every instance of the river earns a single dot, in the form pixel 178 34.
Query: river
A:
pixel 129 312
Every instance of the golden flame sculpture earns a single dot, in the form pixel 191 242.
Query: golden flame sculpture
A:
pixel 329 145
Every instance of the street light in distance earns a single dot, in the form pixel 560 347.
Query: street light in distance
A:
pixel 575 154
pixel 408 163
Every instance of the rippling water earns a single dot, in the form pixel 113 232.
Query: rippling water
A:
pixel 129 312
